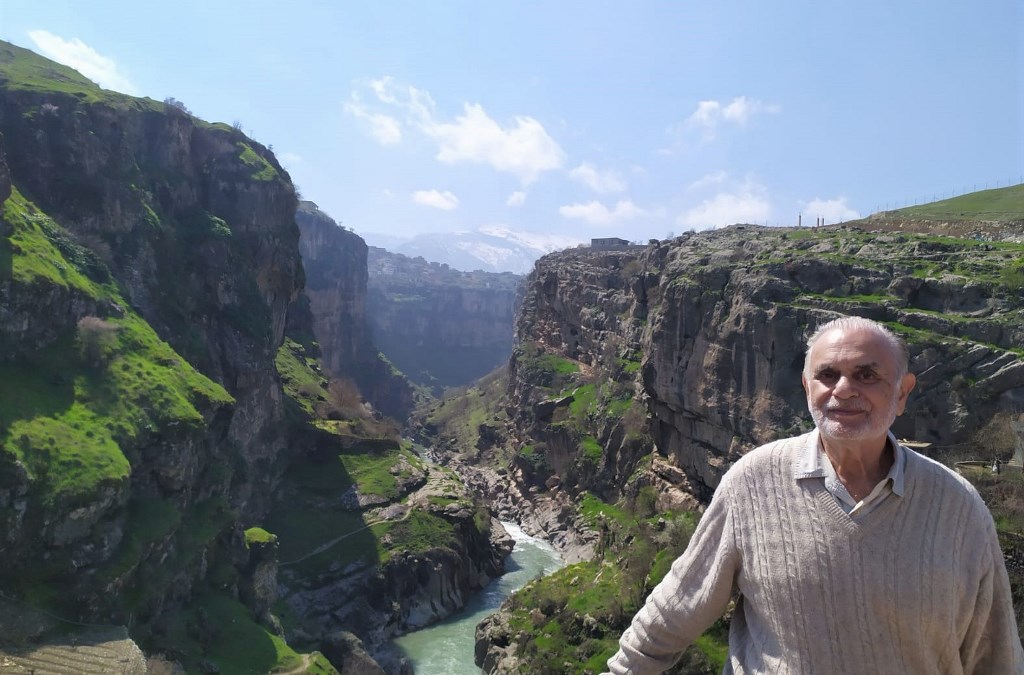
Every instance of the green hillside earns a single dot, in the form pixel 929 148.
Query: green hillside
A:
pixel 1001 205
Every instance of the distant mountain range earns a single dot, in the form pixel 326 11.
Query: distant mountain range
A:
pixel 490 249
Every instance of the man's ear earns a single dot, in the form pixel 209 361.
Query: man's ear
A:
pixel 906 386
pixel 803 381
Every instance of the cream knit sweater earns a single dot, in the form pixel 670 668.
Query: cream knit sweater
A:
pixel 916 586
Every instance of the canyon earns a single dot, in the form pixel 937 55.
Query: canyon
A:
pixel 223 436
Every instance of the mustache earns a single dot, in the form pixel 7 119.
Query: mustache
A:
pixel 859 407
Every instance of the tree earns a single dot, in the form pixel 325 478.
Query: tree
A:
pixel 172 102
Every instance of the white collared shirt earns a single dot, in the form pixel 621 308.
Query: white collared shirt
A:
pixel 814 463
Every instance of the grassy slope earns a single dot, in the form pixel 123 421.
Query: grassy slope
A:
pixel 309 513
pixel 70 416
pixel 998 205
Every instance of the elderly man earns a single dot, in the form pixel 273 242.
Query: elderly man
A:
pixel 849 552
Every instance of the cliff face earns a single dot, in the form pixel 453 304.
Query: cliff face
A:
pixel 439 326
pixel 146 265
pixel 719 320
pixel 335 261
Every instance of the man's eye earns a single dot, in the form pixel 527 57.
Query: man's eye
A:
pixel 868 376
pixel 827 376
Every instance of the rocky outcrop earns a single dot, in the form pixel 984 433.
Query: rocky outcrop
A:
pixel 335 261
pixel 551 516
pixel 347 652
pixel 439 326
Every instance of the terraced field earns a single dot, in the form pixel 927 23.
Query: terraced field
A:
pixel 98 652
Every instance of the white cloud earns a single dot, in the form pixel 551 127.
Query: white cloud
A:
pixel 84 59
pixel 382 89
pixel 517 198
pixel 832 210
pixel 708 180
pixel 597 213
pixel 445 201
pixel 415 103
pixel 523 148
pixel 741 109
pixel 711 115
pixel 749 204
pixel 598 181
pixel 387 194
pixel 289 158
pixel 385 129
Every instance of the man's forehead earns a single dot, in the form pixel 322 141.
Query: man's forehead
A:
pixel 856 348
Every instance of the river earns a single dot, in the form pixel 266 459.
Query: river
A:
pixel 446 648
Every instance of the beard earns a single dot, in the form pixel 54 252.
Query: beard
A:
pixel 874 424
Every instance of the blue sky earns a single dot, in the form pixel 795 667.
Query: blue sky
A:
pixel 579 119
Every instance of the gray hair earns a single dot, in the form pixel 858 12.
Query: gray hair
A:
pixel 898 344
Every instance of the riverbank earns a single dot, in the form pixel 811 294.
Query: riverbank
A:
pixel 447 648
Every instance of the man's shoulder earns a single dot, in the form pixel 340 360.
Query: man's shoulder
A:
pixel 933 475
pixel 783 450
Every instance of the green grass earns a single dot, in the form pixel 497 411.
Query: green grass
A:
pixel 630 366
pixel 373 473
pixel 301 382
pixel 74 426
pixel 418 533
pixel 546 617
pixel 438 500
pixel 21 69
pixel 459 416
pixel 258 536
pixel 592 449
pixel 308 515
pixel 36 259
pixel 999 205
pixel 593 510
pixel 543 368
pixel 583 402
pixel 262 170
pixel 217 628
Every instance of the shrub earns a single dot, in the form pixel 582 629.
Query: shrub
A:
pixel 172 102
pixel 345 395
pixel 97 340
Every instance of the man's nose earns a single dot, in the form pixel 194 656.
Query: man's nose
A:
pixel 844 387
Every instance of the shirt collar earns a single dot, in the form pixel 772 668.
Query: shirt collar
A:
pixel 810 461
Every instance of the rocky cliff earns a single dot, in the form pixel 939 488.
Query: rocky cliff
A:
pixel 718 321
pixel 441 327
pixel 335 261
pixel 127 217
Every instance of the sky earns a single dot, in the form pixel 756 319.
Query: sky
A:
pixel 579 119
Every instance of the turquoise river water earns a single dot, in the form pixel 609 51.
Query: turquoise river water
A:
pixel 447 648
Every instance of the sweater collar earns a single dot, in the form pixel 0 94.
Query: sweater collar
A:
pixel 810 461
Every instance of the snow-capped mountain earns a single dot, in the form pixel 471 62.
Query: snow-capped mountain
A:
pixel 490 249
